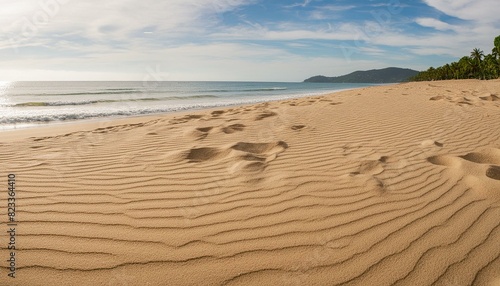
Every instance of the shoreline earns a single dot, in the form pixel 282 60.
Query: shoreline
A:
pixel 56 127
pixel 91 112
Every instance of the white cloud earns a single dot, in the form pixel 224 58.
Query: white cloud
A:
pixel 291 32
pixel 222 61
pixel 477 10
pixel 108 21
pixel 436 24
pixel 430 51
pixel 329 11
pixel 51 74
pixel 480 26
pixel 119 39
pixel 303 4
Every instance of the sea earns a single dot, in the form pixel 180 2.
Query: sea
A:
pixel 30 104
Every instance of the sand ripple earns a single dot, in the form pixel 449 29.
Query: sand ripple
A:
pixel 392 185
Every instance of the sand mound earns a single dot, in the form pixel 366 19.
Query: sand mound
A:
pixel 477 169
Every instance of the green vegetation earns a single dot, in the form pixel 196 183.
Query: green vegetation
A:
pixel 477 65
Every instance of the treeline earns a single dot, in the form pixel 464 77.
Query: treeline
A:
pixel 477 65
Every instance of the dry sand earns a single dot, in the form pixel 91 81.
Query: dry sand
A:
pixel 390 185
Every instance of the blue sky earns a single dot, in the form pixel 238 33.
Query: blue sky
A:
pixel 252 40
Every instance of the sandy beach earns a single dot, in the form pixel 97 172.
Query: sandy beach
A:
pixel 387 185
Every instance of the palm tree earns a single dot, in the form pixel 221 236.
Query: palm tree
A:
pixel 477 58
pixel 490 64
pixel 447 72
pixel 477 65
pixel 465 67
pixel 477 54
pixel 496 49
pixel 455 70
pixel 496 55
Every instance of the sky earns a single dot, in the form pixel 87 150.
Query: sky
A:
pixel 235 40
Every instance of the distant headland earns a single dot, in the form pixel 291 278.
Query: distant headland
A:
pixel 387 75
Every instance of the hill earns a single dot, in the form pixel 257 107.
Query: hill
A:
pixel 387 75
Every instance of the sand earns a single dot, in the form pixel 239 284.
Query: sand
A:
pixel 388 185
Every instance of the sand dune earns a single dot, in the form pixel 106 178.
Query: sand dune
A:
pixel 389 185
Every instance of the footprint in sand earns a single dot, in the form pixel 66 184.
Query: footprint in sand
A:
pixel 489 97
pixel 298 127
pixel 184 119
pixel 40 139
pixel 248 156
pixel 266 114
pixel 217 113
pixel 356 151
pixel 201 132
pixel 467 98
pixel 204 154
pixel 368 171
pixel 233 128
pixel 438 97
pixel 493 172
pixel 105 129
pixel 259 154
pixel 261 148
pixel 204 129
pixel 431 143
pixel 481 170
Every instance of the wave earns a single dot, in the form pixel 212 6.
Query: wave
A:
pixel 81 116
pixel 109 91
pixel 247 90
pixel 75 114
pixel 88 102
pixel 64 103
pixel 192 96
pixel 124 91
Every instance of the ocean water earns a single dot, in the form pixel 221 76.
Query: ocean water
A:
pixel 26 104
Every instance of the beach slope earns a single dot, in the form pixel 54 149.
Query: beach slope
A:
pixel 388 185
